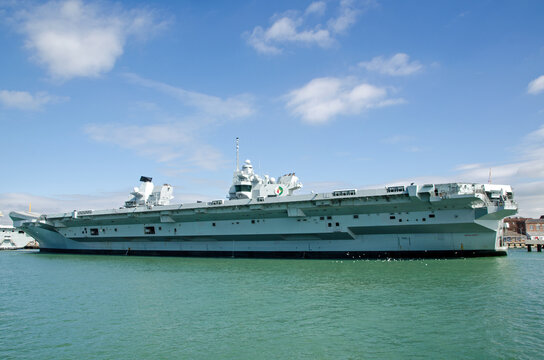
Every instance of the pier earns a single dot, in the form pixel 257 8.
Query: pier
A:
pixel 538 243
pixel 529 244
pixel 524 233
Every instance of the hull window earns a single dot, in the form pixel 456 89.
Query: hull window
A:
pixel 148 230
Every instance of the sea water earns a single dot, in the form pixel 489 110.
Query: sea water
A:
pixel 127 307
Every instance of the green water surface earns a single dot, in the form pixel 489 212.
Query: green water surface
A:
pixel 118 307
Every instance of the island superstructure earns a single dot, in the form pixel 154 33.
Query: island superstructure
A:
pixel 262 217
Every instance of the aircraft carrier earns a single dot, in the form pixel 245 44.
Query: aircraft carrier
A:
pixel 262 217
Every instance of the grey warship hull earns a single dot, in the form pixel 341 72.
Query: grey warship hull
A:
pixel 443 220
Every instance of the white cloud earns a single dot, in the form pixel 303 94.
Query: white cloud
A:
pixel 465 167
pixel 325 98
pixel 397 139
pixel 398 65
pixel 346 18
pixel 294 28
pixel 167 142
pixel 232 107
pixel 176 141
pixel 25 101
pixel 536 86
pixel 526 175
pixel 76 39
pixel 406 142
pixel 317 8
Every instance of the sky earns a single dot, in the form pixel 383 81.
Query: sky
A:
pixel 347 94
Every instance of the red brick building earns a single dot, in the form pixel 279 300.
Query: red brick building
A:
pixel 519 229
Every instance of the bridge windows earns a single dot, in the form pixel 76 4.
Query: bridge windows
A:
pixel 239 188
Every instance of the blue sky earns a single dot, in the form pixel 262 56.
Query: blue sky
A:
pixel 344 93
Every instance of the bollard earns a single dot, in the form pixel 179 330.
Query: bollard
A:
pixel 528 248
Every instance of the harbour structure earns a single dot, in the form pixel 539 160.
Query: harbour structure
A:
pixel 535 234
pixel 262 217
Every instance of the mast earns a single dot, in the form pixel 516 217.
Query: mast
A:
pixel 237 157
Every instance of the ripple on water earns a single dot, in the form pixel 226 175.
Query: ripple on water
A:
pixel 68 306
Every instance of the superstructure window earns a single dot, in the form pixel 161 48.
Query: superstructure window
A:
pixel 238 188
pixel 94 231
pixel 149 230
pixel 431 215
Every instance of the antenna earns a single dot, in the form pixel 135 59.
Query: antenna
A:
pixel 237 156
pixel 489 179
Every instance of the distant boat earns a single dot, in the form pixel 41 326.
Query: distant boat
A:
pixel 12 239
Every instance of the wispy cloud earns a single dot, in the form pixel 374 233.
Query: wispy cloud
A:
pixel 295 27
pixel 347 16
pixel 466 167
pixel 173 140
pixel 163 143
pixel 398 65
pixel 316 8
pixel 536 86
pixel 322 99
pixel 397 139
pixel 406 142
pixel 77 39
pixel 26 101
pixel 232 107
pixel 526 174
